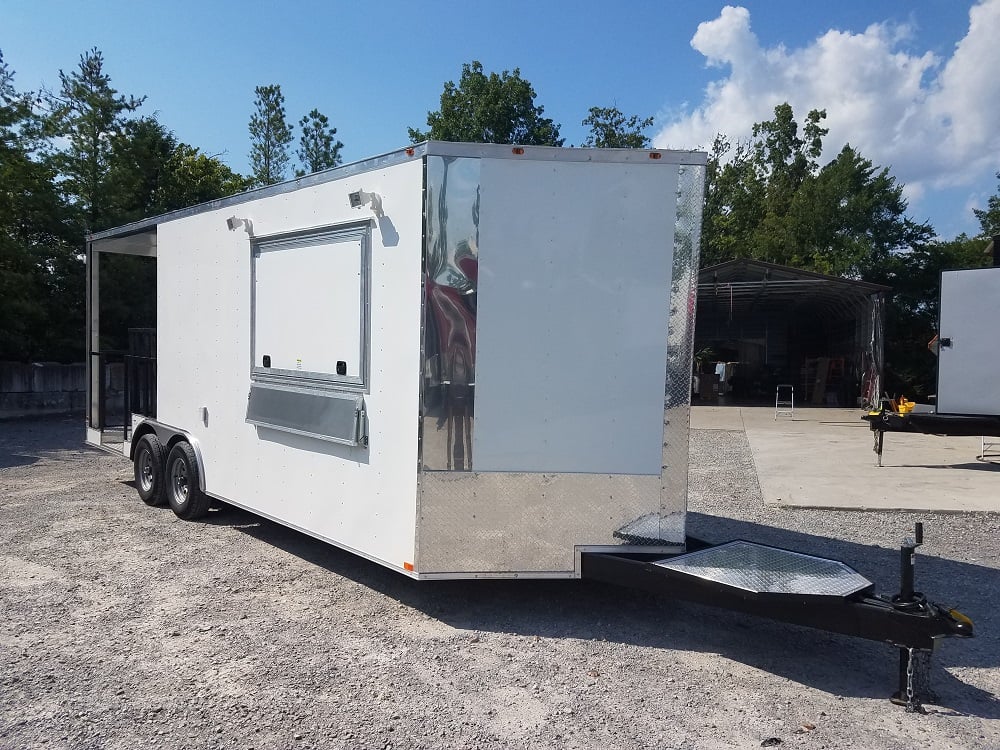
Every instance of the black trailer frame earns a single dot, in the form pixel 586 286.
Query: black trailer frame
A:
pixel 906 620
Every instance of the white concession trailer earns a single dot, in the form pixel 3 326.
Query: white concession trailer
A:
pixel 455 360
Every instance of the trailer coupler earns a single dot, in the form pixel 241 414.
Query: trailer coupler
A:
pixel 801 589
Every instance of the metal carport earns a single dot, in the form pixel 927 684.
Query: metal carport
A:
pixel 821 334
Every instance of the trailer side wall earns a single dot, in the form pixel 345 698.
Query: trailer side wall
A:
pixel 363 499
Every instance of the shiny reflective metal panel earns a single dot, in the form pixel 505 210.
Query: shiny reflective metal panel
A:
pixel 322 414
pixel 680 340
pixel 506 522
pixel 762 569
pixel 451 273
pixel 473 522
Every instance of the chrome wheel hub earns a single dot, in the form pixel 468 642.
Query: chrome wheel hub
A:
pixel 179 481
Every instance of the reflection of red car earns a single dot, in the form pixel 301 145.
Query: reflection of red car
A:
pixel 454 318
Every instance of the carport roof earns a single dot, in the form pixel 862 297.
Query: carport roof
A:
pixel 745 283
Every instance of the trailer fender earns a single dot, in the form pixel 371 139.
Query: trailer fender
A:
pixel 169 437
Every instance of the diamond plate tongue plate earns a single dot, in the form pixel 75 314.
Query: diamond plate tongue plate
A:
pixel 768 570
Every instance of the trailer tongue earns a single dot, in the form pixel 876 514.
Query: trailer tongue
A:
pixel 800 589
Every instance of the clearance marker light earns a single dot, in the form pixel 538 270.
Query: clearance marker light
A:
pixel 517 150
pixel 409 152
pixel 408 567
pixel 654 155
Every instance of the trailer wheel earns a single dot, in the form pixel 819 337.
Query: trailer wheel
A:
pixel 148 464
pixel 183 488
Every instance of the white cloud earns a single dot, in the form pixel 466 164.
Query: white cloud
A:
pixel 935 122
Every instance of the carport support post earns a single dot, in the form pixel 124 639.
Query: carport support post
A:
pixel 95 380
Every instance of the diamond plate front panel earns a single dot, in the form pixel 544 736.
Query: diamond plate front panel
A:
pixel 767 570
pixel 529 523
pixel 680 337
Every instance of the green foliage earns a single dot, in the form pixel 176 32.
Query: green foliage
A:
pixel 270 136
pixel 770 200
pixel 40 304
pixel 89 114
pixel 609 128
pixel 489 109
pixel 140 152
pixel 734 202
pixel 193 177
pixel 989 218
pixel 318 149
pixel 73 162
pixel 152 173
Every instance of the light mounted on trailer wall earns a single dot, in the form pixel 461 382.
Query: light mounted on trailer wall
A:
pixel 234 223
pixel 360 198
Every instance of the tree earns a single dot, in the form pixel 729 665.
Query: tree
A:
pixel 137 169
pixel 609 128
pixel 318 149
pixel 41 308
pixel 89 113
pixel 734 201
pixel 107 170
pixel 152 173
pixel 193 177
pixel 270 136
pixel 989 218
pixel 489 109
pixel 786 161
pixel 768 199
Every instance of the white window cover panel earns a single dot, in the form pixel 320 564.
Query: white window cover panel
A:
pixel 310 306
pixel 572 317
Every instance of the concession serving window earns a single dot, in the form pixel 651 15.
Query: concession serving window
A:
pixel 310 331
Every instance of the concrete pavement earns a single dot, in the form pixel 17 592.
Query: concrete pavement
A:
pixel 823 458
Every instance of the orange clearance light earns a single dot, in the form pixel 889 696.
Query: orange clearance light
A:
pixel 409 152
pixel 408 567
pixel 517 150
pixel 655 155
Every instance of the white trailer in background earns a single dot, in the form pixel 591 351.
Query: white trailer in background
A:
pixel 968 377
pixel 454 359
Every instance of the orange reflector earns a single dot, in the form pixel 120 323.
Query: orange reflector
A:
pixel 409 152
pixel 654 155
pixel 408 566
pixel 517 150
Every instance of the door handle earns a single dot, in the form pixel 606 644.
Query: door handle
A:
pixel 946 342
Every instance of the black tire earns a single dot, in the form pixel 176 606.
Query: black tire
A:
pixel 182 484
pixel 148 464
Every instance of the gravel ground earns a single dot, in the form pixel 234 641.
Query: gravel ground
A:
pixel 124 627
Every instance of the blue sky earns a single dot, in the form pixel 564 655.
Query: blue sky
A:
pixel 902 80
